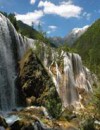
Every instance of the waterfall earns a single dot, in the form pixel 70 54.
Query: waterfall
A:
pixel 7 67
pixel 71 79
pixel 12 48
pixel 68 74
pixel 64 80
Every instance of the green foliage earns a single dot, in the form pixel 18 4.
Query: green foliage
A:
pixel 27 30
pixel 13 20
pixel 91 113
pixel 66 48
pixel 96 102
pixel 30 32
pixel 4 13
pixel 54 103
pixel 88 46
pixel 89 125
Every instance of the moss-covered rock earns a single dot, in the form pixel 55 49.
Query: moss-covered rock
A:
pixel 35 84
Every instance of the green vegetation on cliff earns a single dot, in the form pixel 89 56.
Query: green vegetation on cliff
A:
pixel 88 46
pixel 26 30
pixel 30 32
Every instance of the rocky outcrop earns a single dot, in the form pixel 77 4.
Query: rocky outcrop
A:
pixel 71 79
pixel 35 118
pixel 45 76
pixel 36 84
pixel 3 122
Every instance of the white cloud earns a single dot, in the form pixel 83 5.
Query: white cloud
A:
pixel 87 15
pixel 53 27
pixel 30 17
pixel 32 1
pixel 48 32
pixel 64 9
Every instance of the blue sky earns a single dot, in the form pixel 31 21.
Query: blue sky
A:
pixel 57 17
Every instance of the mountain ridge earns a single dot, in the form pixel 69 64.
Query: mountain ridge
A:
pixel 70 38
pixel 75 34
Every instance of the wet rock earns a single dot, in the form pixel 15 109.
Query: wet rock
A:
pixel 18 125
pixel 11 118
pixel 40 126
pixel 30 127
pixel 71 117
pixel 24 125
pixel 14 110
pixel 3 122
pixel 2 128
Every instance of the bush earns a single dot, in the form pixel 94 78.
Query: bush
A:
pixel 53 103
pixel 89 124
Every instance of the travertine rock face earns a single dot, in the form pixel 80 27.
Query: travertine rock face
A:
pixel 65 70
pixel 72 80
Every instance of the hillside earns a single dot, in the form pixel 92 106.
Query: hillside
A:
pixel 30 32
pixel 57 41
pixel 27 30
pixel 88 46
pixel 75 34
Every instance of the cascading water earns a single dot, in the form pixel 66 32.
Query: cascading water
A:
pixel 12 48
pixel 70 77
pixel 7 68
pixel 64 80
